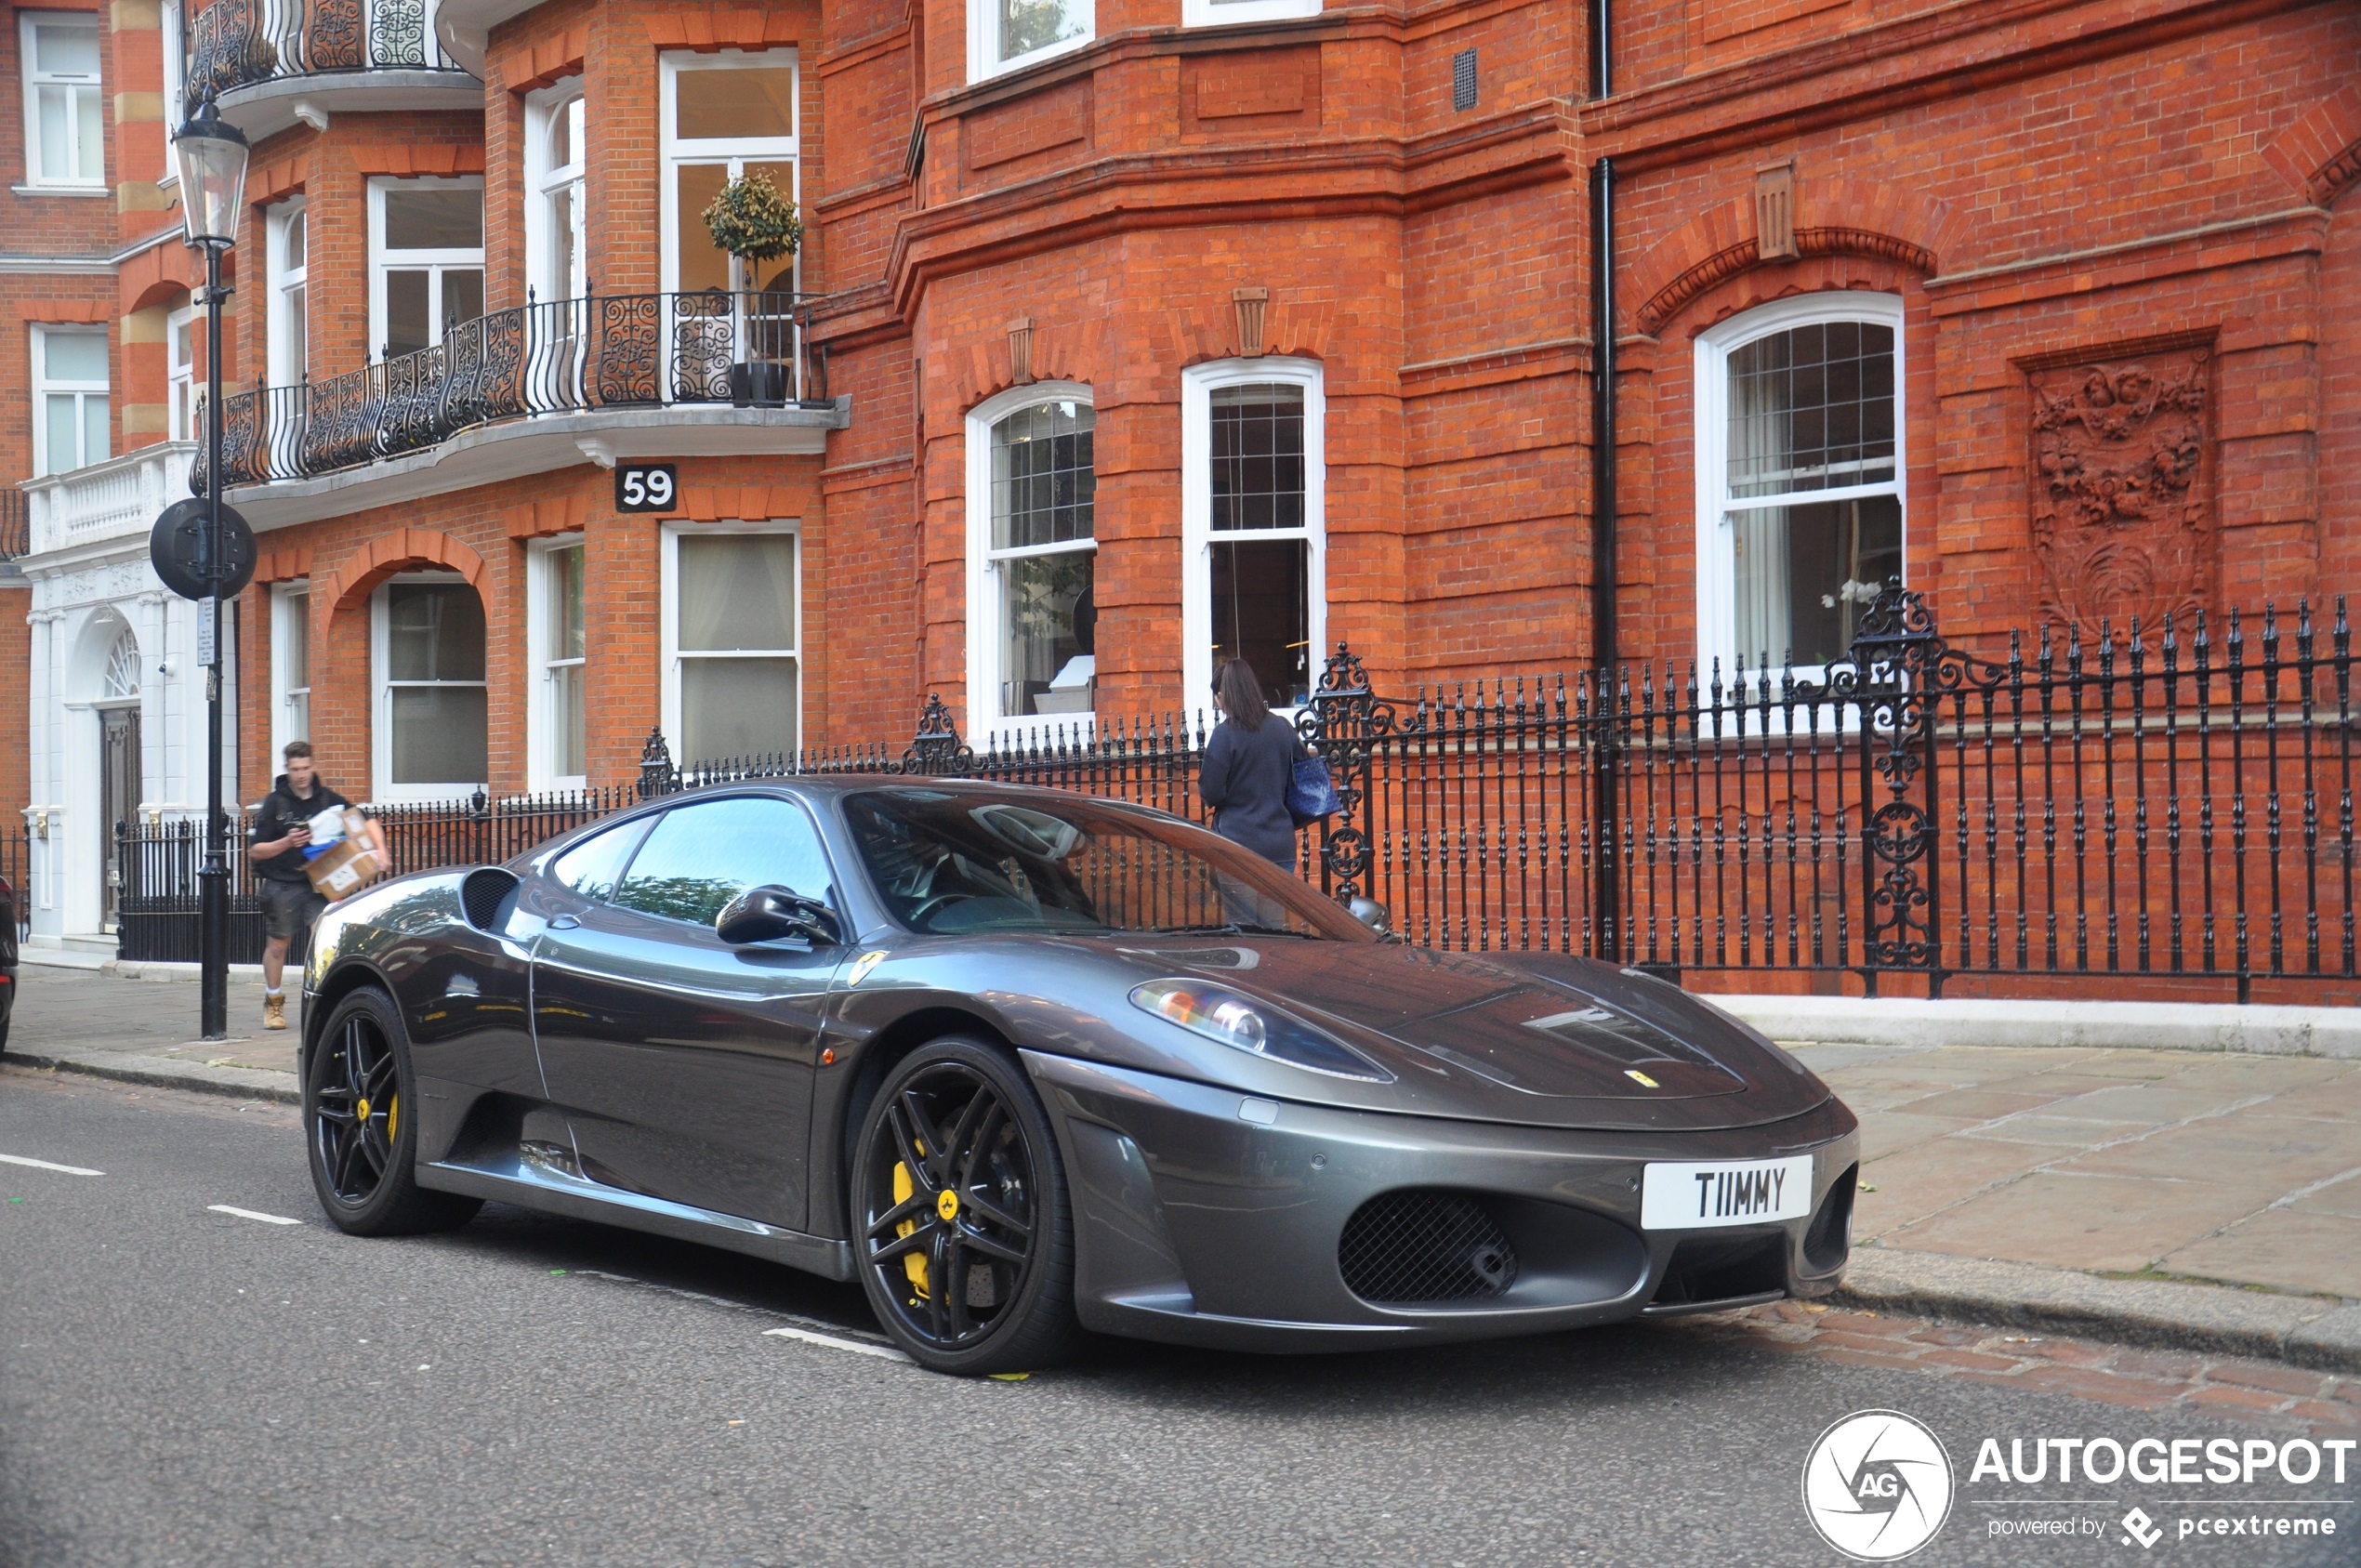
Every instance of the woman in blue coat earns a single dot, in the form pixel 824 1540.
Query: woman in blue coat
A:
pixel 1249 762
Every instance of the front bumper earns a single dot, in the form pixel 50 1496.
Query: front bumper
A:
pixel 1196 1226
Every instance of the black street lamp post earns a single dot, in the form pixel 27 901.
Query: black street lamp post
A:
pixel 212 158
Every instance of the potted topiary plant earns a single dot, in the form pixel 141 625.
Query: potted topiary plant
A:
pixel 753 221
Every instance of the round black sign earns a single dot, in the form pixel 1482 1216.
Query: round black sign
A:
pixel 176 550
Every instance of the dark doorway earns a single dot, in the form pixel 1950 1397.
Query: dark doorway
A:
pixel 118 801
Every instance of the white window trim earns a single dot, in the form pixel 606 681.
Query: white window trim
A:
pixel 1197 384
pixel 1224 13
pixel 385 791
pixel 29 80
pixel 380 261
pixel 284 371
pixel 983 55
pixel 43 387
pixel 1717 568
pixel 734 151
pixel 541 713
pixel 180 382
pixel 541 181
pixel 983 600
pixel 669 618
pixel 285 626
pixel 174 88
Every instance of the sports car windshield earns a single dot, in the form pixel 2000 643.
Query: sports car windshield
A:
pixel 963 862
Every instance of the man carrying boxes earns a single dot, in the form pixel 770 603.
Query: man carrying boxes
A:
pixel 310 846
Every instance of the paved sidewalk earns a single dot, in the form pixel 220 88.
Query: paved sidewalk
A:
pixel 2200 1200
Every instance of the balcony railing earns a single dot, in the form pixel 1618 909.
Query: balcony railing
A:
pixel 240 43
pixel 113 499
pixel 16 525
pixel 559 356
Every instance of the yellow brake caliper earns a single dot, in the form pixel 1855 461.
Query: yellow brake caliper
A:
pixel 912 1263
pixel 393 1119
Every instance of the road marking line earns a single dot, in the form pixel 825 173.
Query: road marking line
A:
pixel 883 1352
pixel 45 1165
pixel 250 1214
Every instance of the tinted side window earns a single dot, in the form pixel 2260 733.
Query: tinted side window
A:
pixel 594 866
pixel 700 857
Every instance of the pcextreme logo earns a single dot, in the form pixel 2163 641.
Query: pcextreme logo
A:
pixel 1876 1485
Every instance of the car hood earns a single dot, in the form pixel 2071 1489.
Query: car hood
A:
pixel 1537 1039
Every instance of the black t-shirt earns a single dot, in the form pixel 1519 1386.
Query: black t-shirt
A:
pixel 282 809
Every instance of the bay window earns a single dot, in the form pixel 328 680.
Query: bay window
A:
pixel 1005 34
pixel 557 257
pixel 431 733
pixel 724 115
pixel 732 620
pixel 555 628
pixel 426 249
pixel 1800 473
pixel 1253 541
pixel 287 260
pixel 1032 497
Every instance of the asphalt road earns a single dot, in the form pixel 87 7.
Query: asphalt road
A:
pixel 182 1386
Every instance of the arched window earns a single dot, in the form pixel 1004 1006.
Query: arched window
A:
pixel 557 155
pixel 1799 467
pixel 122 677
pixel 1032 494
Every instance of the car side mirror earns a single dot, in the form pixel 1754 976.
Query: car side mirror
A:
pixel 1372 914
pixel 774 914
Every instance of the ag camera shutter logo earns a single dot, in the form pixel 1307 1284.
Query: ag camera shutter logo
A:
pixel 1876 1485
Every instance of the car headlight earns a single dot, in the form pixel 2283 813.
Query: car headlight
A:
pixel 1223 1015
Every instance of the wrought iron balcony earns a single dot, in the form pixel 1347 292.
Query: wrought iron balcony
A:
pixel 378 47
pixel 16 527
pixel 560 357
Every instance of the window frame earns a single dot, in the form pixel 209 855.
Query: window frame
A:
pixel 984 599
pixel 44 389
pixel 181 382
pixel 734 152
pixel 983 53
pixel 280 281
pixel 1198 383
pixel 541 710
pixel 673 711
pixel 1716 563
pixel 385 791
pixel 287 628
pixel 434 262
pixel 31 79
pixel 542 181
pixel 175 88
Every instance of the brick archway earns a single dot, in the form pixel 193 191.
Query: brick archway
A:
pixel 1834 217
pixel 404 548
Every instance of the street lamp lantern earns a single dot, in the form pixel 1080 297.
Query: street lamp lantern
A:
pixel 212 155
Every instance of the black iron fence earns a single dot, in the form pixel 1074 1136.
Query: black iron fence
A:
pixel 2162 811
pixel 238 43
pixel 558 356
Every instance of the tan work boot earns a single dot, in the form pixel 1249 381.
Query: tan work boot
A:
pixel 274 1012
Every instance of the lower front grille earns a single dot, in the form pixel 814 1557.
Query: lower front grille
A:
pixel 1422 1247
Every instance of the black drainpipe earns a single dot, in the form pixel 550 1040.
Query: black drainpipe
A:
pixel 1606 903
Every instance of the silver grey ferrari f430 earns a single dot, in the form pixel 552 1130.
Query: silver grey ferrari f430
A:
pixel 1025 1062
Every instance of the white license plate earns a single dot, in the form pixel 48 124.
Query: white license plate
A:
pixel 1695 1197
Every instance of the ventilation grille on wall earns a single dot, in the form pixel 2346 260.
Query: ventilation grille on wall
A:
pixel 1463 80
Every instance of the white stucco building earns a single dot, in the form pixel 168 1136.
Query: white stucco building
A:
pixel 116 717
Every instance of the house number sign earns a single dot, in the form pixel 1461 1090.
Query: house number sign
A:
pixel 646 487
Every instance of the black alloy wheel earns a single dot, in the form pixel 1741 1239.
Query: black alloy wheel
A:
pixel 357 1089
pixel 959 1214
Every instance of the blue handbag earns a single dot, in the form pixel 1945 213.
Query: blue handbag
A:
pixel 1311 793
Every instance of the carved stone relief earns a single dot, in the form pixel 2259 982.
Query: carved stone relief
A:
pixel 2122 485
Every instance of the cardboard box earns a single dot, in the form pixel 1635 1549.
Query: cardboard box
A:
pixel 346 864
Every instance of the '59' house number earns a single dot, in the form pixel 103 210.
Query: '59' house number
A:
pixel 646 487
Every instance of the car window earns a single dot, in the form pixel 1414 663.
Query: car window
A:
pixel 700 857
pixel 594 866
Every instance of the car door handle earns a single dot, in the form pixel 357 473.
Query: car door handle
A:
pixel 563 922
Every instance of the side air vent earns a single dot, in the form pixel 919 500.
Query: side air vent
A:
pixel 487 895
pixel 1422 1246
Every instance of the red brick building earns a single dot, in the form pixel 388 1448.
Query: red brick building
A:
pixel 1122 337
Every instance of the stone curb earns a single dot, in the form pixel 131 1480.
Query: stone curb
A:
pixel 2320 1333
pixel 163 1071
pixel 1908 1022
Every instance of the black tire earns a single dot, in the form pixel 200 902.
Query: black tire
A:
pixel 981 1201
pixel 362 1149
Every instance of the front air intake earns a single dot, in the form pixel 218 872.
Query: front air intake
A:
pixel 487 895
pixel 1422 1246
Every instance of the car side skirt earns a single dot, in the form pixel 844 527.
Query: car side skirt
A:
pixel 528 1186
